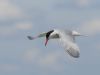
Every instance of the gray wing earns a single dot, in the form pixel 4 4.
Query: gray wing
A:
pixel 73 52
pixel 69 44
pixel 40 35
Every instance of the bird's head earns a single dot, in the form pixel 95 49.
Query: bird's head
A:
pixel 47 36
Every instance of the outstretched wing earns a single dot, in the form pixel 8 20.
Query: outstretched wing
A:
pixel 74 52
pixel 69 44
pixel 40 35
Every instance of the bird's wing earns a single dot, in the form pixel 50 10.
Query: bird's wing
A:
pixel 40 35
pixel 70 46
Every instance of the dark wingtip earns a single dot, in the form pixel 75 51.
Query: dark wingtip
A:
pixel 73 53
pixel 30 38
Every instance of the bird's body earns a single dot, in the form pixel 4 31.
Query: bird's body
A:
pixel 67 39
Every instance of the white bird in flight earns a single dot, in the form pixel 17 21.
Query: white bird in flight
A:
pixel 66 37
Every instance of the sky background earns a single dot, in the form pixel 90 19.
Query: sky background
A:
pixel 20 18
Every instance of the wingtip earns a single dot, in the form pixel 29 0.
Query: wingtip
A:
pixel 30 38
pixel 73 53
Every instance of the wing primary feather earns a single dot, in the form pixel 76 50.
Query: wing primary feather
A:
pixel 40 35
pixel 30 37
pixel 73 53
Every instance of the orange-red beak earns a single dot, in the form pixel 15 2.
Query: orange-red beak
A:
pixel 46 42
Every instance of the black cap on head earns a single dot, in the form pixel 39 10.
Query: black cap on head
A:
pixel 48 33
pixel 47 36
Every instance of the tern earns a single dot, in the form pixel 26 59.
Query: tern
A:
pixel 66 37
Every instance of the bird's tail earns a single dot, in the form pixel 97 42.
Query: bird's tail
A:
pixel 30 37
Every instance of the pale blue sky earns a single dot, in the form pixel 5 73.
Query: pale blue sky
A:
pixel 19 18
